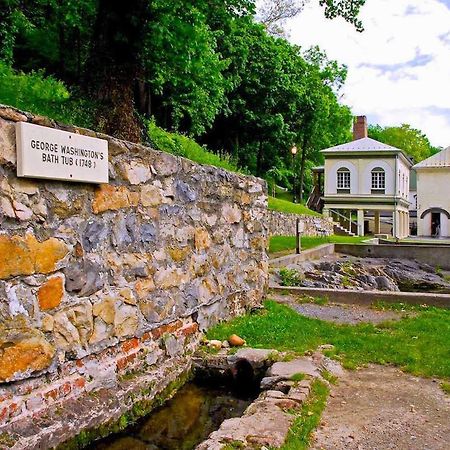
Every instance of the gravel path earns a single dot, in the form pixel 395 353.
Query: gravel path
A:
pixel 332 312
pixel 382 408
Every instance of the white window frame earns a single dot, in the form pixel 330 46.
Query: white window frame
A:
pixel 378 179
pixel 343 179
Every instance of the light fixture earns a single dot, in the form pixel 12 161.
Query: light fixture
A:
pixel 294 150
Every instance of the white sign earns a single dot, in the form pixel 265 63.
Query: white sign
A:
pixel 301 226
pixel 48 153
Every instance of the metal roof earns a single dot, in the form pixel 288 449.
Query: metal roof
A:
pixel 364 144
pixel 441 159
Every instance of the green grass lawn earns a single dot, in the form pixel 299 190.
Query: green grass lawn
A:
pixel 284 195
pixel 278 204
pixel 419 344
pixel 283 243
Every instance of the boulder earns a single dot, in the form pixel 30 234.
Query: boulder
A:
pixel 288 369
pixel 257 357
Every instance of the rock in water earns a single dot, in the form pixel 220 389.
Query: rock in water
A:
pixel 236 341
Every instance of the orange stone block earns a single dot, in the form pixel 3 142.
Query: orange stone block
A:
pixel 28 355
pixel 51 293
pixel 26 255
pixel 109 197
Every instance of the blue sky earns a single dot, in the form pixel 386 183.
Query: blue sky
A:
pixel 399 67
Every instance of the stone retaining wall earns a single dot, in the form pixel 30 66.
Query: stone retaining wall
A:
pixel 101 283
pixel 347 296
pixel 437 256
pixel 305 255
pixel 284 224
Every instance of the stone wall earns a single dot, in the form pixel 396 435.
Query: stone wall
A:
pixel 284 224
pixel 103 284
pixel 433 255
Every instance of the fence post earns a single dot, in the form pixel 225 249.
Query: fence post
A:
pixel 297 236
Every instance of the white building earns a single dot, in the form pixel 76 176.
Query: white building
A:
pixel 433 195
pixel 367 178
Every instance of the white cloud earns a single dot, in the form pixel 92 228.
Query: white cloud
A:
pixel 399 67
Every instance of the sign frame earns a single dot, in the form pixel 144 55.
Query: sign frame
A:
pixel 52 154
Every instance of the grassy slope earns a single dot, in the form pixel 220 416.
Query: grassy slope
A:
pixel 39 94
pixel 418 345
pixel 282 243
pixel 178 144
pixel 278 204
pixel 44 95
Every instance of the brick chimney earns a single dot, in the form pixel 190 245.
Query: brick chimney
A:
pixel 360 128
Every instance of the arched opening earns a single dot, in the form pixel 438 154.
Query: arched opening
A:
pixel 343 181
pixel 435 210
pixel 378 177
pixel 438 226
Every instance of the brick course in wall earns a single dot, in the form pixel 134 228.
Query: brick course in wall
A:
pixel 102 282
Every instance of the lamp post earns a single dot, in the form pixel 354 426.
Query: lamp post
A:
pixel 294 152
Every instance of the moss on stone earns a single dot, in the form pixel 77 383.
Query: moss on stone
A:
pixel 7 440
pixel 139 409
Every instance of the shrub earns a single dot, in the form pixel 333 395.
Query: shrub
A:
pixel 290 277
pixel 44 95
pixel 180 145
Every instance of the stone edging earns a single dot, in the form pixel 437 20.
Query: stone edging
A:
pixel 305 255
pixel 348 296
pixel 266 421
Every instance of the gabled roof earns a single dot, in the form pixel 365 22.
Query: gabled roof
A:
pixel 441 159
pixel 364 144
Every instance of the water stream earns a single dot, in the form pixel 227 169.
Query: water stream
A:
pixel 181 423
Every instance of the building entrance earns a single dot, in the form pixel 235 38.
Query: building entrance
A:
pixel 435 224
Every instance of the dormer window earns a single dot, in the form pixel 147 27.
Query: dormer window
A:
pixel 378 181
pixel 343 181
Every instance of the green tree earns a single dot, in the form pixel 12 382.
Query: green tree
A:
pixel 257 123
pixel 196 66
pixel 413 141
pixel 325 122
pixel 183 67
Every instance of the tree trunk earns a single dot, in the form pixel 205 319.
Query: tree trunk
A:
pixel 143 98
pixel 259 159
pixel 113 65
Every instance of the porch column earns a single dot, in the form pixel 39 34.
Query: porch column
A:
pixel 360 222
pixel 377 222
pixel 396 224
pixel 402 225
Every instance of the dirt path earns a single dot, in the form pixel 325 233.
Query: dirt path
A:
pixel 381 408
pixel 337 313
pixel 378 407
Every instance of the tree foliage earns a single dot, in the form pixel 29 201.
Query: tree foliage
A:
pixel 273 14
pixel 205 68
pixel 413 141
